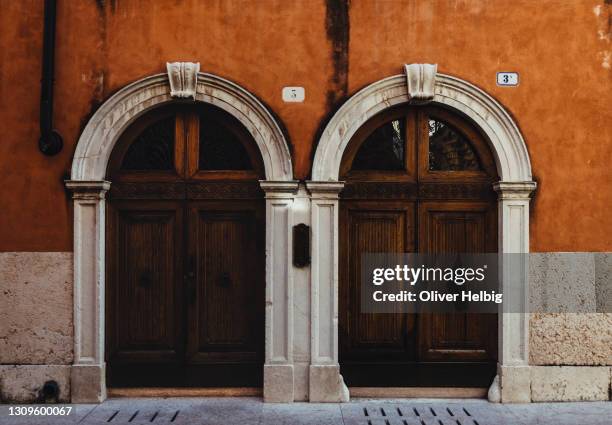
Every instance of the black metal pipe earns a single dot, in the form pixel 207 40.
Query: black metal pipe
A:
pixel 50 142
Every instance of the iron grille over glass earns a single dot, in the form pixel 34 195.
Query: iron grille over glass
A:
pixel 220 147
pixel 449 150
pixel 383 149
pixel 153 149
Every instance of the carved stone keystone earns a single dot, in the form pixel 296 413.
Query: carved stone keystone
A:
pixel 421 78
pixel 183 78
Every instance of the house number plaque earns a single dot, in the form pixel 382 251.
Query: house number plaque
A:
pixel 294 94
pixel 507 79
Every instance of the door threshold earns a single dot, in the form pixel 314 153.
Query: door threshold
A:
pixel 185 392
pixel 418 392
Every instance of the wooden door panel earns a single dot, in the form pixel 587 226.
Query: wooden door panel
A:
pixel 226 307
pixel 145 248
pixel 456 227
pixel 368 227
pixel 374 231
pixel 456 232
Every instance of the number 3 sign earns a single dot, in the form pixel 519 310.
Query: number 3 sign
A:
pixel 507 79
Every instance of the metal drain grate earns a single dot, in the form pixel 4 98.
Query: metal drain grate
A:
pixel 130 416
pixel 418 415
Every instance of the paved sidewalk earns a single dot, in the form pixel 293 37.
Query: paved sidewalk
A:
pixel 252 411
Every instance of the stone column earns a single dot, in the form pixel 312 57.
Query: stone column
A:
pixel 326 383
pixel 278 367
pixel 514 379
pixel 88 379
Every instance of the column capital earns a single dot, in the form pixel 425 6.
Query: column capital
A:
pixel 279 189
pixel 328 190
pixel 88 189
pixel 515 190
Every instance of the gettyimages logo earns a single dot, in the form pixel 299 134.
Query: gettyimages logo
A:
pixel 413 275
pixel 392 283
pixel 423 274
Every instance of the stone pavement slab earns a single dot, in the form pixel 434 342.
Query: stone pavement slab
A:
pixel 252 411
pixel 591 413
pixel 423 412
pixel 177 411
pixel 302 414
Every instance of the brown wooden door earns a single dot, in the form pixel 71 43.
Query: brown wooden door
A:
pixel 365 339
pixel 225 258
pixel 458 227
pixel 185 253
pixel 145 283
pixel 418 180
pixel 366 222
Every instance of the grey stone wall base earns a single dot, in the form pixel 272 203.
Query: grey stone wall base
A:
pixel 278 383
pixel 514 384
pixel 22 383
pixel 327 385
pixel 36 286
pixel 524 384
pixel 570 383
pixel 88 383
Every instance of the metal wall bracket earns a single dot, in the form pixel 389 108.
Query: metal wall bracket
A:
pixel 301 245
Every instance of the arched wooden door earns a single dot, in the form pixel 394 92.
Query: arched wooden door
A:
pixel 418 179
pixel 185 252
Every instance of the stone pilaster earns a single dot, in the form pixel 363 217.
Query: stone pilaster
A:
pixel 513 367
pixel 278 368
pixel 326 383
pixel 88 384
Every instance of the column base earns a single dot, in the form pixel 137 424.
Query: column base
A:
pixel 327 385
pixel 494 393
pixel 514 384
pixel 88 383
pixel 278 383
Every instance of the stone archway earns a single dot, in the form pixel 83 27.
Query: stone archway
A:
pixel 512 160
pixel 89 187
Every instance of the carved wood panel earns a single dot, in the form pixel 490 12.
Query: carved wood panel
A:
pixel 446 227
pixel 412 190
pixel 371 227
pixel 144 282
pixel 227 298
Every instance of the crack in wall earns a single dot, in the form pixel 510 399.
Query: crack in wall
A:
pixel 603 15
pixel 337 26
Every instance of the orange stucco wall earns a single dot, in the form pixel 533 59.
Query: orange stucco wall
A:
pixel 561 49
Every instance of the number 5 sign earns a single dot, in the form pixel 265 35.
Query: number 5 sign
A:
pixel 507 79
pixel 293 94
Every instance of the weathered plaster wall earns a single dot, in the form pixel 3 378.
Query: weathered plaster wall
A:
pixel 332 48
